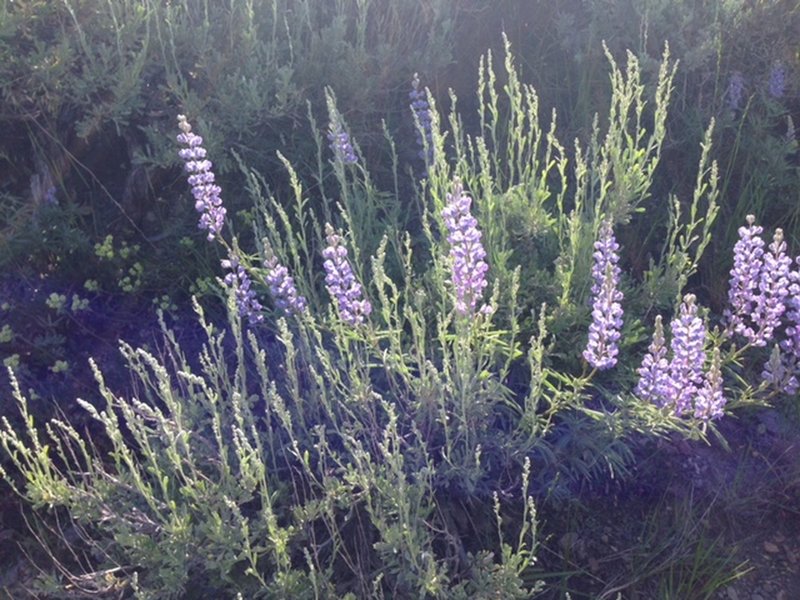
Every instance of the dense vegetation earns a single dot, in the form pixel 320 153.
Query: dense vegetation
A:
pixel 423 316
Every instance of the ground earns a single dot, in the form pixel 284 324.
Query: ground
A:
pixel 695 521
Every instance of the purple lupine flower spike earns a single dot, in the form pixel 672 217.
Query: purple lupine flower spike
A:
pixel 422 110
pixel 688 356
pixel 774 289
pixel 206 193
pixel 759 285
pixel 735 91
pixel 340 144
pixel 604 330
pixel 710 398
pixel 341 282
pixel 654 371
pixel 777 80
pixel 790 346
pixel 748 257
pixel 780 371
pixel 466 252
pixel 282 287
pixel 246 301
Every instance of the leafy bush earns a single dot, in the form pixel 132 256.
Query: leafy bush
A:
pixel 89 89
pixel 81 73
pixel 732 54
pixel 383 429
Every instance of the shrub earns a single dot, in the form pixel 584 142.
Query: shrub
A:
pixel 89 89
pixel 387 435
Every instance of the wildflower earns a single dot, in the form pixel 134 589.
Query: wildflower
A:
pixel 735 91
pixel 777 80
pixel 654 371
pixel 50 196
pixel 466 251
pixel 748 255
pixel 759 285
pixel 206 193
pixel 604 330
pixel 790 346
pixel 774 288
pixel 422 111
pixel 341 282
pixel 340 144
pixel 710 399
pixel 282 287
pixel 779 371
pixel 246 301
pixel 688 356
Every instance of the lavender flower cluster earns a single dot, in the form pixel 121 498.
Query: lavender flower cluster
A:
pixel 208 202
pixel 784 372
pixel 466 252
pixel 735 91
pixel 764 295
pixel 604 330
pixel 206 193
pixel 759 285
pixel 341 282
pixel 340 144
pixel 791 344
pixel 676 377
pixel 775 86
pixel 748 255
pixel 654 371
pixel 282 288
pixel 422 112
pixel 688 356
pixel 777 80
pixel 682 381
pixel 246 300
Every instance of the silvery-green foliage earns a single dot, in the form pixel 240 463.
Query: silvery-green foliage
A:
pixel 319 455
pixel 186 489
pixel 257 59
pixel 229 467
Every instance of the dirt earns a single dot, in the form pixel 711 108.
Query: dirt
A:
pixel 716 521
